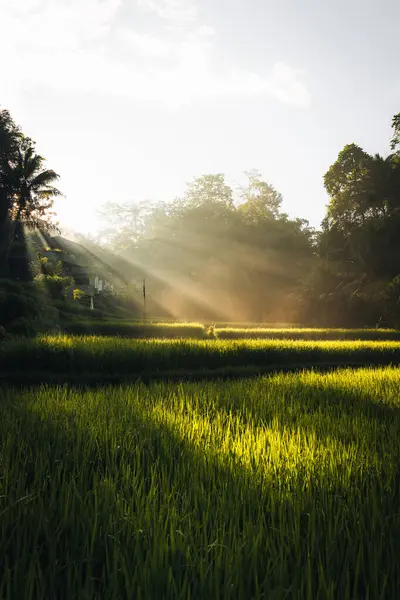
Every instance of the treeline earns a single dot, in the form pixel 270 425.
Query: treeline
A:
pixel 208 257
pixel 215 254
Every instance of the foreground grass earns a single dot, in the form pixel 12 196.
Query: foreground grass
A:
pixel 279 487
pixel 97 357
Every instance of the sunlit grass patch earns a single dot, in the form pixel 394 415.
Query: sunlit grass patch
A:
pixel 306 333
pixel 93 356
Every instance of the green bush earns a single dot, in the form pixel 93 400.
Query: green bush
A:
pixel 70 310
pixel 55 285
pixel 23 326
pixel 25 308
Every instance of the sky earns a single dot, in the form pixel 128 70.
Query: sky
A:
pixel 129 100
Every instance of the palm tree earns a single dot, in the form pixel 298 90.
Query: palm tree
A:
pixel 33 189
pixel 27 196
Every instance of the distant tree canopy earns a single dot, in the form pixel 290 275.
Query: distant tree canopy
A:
pixel 207 258
pixel 27 188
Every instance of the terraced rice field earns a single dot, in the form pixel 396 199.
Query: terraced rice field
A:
pixel 282 486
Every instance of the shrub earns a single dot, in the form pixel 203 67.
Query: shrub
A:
pixel 23 326
pixel 25 308
pixel 55 285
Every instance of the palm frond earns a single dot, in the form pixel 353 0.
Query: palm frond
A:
pixel 43 178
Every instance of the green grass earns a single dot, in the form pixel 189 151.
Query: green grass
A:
pixel 173 330
pixel 256 325
pixel 306 333
pixel 94 358
pixel 135 329
pixel 277 487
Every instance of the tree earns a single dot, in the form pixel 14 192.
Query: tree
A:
pixel 209 189
pixel 206 259
pixel 125 223
pixel 10 137
pixel 33 190
pixel 348 184
pixel 395 141
pixel 27 188
pixel 260 200
pixel 359 246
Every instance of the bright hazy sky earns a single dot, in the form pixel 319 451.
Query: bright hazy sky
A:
pixel 130 99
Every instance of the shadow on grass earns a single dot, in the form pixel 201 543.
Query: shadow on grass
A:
pixel 58 360
pixel 92 380
pixel 134 510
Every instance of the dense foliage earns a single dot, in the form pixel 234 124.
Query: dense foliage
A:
pixel 26 308
pixel 357 278
pixel 26 189
pixel 215 255
pixel 205 257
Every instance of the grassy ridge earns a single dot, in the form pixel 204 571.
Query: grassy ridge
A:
pixel 174 330
pixel 280 487
pixel 95 356
pixel 306 333
pixel 136 329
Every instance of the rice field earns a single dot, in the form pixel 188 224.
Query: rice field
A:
pixel 286 486
pixel 175 330
pixel 278 486
pixel 135 329
pixel 305 333
pixel 97 358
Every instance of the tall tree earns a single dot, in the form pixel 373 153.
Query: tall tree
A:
pixel 125 223
pixel 348 184
pixel 27 188
pixel 10 137
pixel 33 189
pixel 259 199
pixel 359 246
pixel 209 189
pixel 395 141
